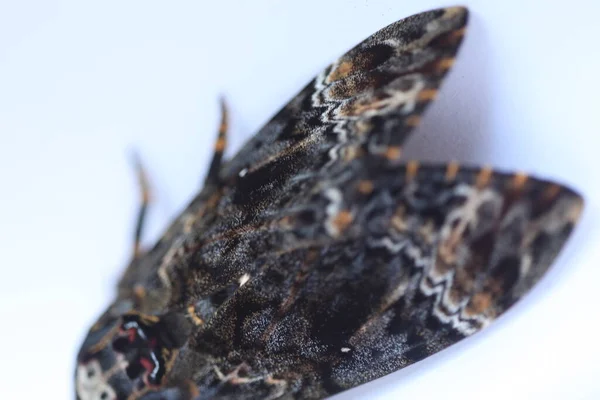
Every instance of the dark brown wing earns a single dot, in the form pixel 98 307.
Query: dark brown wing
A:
pixel 382 85
pixel 361 108
pixel 424 258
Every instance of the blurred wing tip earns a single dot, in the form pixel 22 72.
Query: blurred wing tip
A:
pixel 546 192
pixel 457 10
pixel 577 205
pixel 575 199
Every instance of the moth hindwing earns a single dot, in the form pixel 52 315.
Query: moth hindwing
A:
pixel 317 259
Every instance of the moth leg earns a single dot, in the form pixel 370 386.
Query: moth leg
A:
pixel 144 189
pixel 215 165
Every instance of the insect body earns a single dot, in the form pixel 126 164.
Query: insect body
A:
pixel 317 259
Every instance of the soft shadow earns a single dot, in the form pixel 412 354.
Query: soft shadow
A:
pixel 457 126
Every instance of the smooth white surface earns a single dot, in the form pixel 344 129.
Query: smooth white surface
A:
pixel 82 83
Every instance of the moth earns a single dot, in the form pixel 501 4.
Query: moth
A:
pixel 317 258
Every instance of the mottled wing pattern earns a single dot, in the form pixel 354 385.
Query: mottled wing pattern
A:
pixel 425 256
pixel 382 85
pixel 316 260
pixel 365 104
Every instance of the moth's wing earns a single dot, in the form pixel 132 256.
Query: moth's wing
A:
pixel 423 257
pixel 328 263
pixel 383 84
pixel 361 109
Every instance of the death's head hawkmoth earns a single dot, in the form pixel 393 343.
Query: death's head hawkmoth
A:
pixel 320 257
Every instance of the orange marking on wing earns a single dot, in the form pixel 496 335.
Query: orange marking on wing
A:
pixel 445 64
pixel 365 186
pixel 195 318
pixel 483 177
pixel 479 303
pixel 451 170
pixel 411 170
pixel 427 95
pixel 519 180
pixel 412 121
pixel 342 71
pixel 342 220
pixel 552 191
pixel 456 35
pixel 393 153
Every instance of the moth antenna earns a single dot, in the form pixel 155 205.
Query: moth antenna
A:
pixel 144 189
pixel 219 147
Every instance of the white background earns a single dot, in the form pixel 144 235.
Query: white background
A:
pixel 82 83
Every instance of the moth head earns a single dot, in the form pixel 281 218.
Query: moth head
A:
pixel 128 354
pixel 100 371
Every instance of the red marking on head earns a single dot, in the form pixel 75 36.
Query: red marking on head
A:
pixel 147 364
pixel 131 333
